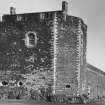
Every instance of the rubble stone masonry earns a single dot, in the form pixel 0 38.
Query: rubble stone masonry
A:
pixel 95 82
pixel 48 48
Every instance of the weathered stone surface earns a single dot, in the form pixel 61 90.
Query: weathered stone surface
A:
pixel 95 84
pixel 68 57
pixel 47 49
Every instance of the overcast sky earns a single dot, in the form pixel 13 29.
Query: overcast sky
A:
pixel 91 11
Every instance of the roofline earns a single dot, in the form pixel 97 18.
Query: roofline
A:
pixel 34 12
pixel 95 68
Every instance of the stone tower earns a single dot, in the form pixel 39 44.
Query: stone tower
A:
pixel 49 45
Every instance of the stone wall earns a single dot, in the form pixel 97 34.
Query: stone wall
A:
pixel 95 84
pixel 46 49
pixel 71 57
pixel 21 55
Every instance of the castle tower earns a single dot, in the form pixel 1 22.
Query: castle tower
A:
pixel 49 45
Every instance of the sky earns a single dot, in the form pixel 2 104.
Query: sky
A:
pixel 91 11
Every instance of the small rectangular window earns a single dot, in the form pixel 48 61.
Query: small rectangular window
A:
pixel 68 86
pixel 42 16
pixel 19 18
pixel 31 39
pixel 47 15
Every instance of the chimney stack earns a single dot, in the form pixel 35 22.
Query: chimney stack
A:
pixel 12 11
pixel 64 9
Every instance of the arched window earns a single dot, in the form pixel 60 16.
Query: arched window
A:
pixel 30 39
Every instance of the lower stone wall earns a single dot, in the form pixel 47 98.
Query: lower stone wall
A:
pixel 95 82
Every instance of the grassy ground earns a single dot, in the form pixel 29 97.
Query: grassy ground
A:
pixel 32 102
